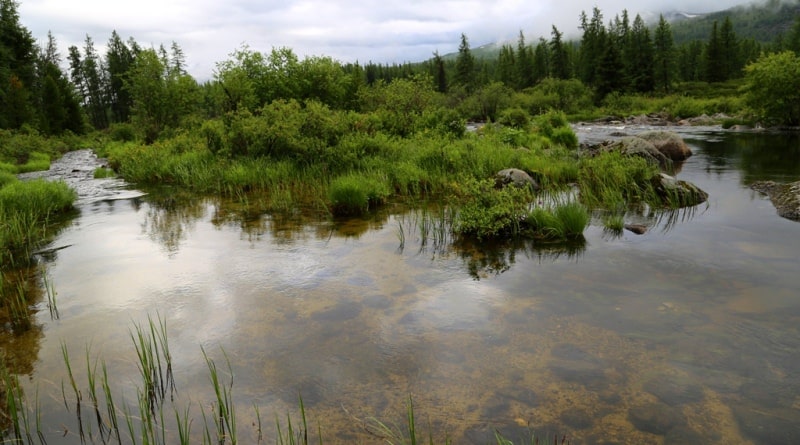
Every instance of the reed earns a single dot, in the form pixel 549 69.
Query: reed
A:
pixel 226 410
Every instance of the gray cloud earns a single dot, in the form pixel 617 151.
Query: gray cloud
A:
pixel 347 30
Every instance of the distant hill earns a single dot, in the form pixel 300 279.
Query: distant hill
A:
pixel 761 22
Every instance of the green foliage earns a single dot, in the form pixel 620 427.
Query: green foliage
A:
pixel 489 212
pixel 772 88
pixel 554 126
pixel 355 194
pixel 560 222
pixel 515 118
pixel 570 96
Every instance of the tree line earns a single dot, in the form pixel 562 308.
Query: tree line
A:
pixel 151 89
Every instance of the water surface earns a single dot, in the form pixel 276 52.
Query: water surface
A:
pixel 688 333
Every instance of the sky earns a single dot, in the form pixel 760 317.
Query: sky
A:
pixel 387 31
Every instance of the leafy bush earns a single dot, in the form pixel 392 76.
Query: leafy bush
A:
pixel 489 212
pixel 515 117
pixel 355 194
pixel 122 132
pixel 772 88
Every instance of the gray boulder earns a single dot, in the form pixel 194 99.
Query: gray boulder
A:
pixel 785 197
pixel 515 177
pixel 669 143
pixel 636 146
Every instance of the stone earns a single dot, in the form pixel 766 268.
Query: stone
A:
pixel 515 177
pixel 656 418
pixel 785 197
pixel 638 229
pixel 683 193
pixel 668 143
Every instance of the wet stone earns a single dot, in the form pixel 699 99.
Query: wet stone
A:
pixel 683 435
pixel 341 312
pixel 569 351
pixel 525 396
pixel 576 418
pixel 378 302
pixel 656 418
pixel 674 390
pixel 769 427
pixel 768 394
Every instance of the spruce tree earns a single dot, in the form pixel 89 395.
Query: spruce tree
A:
pixel 465 74
pixel 559 57
pixel 663 56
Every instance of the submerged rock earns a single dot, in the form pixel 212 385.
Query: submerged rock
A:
pixel 785 197
pixel 515 177
pixel 638 229
pixel 656 418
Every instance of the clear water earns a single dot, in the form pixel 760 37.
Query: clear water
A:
pixel 687 334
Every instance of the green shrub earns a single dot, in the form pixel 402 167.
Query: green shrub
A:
pixel 355 194
pixel 39 197
pixel 122 132
pixel 102 172
pixel 515 118
pixel 488 212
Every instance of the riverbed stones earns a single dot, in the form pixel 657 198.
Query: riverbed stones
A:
pixel 785 197
pixel 656 418
pixel 515 177
pixel 674 390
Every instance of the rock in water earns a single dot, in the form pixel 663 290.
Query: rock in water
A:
pixel 785 197
pixel 668 143
pixel 678 191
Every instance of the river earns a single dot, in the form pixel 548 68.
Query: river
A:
pixel 689 333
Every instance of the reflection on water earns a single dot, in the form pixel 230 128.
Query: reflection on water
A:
pixel 686 334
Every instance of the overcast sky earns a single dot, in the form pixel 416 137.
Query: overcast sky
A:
pixel 387 31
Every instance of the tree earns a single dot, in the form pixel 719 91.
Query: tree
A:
pixel 525 64
pixel 147 86
pixel 731 54
pixel 465 66
pixel 541 61
pixel 663 56
pixel 772 88
pixel 119 60
pixel 506 70
pixel 439 73
pixel 94 82
pixel 559 57
pixel 592 47
pixel 639 58
pixel 17 69
pixel 714 57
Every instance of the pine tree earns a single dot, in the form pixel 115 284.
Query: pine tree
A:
pixel 541 61
pixel 663 56
pixel 592 45
pixel 439 73
pixel 465 75
pixel 525 70
pixel 731 55
pixel 714 57
pixel 17 69
pixel 119 60
pixel 639 55
pixel 506 70
pixel 559 57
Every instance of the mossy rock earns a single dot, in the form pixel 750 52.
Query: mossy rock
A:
pixel 785 197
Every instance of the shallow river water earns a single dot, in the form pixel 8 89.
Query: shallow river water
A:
pixel 689 333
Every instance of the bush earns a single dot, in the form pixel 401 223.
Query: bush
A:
pixel 515 117
pixel 489 212
pixel 772 88
pixel 355 194
pixel 122 132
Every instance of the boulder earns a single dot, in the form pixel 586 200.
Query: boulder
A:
pixel 677 191
pixel 515 177
pixel 785 197
pixel 636 146
pixel 669 143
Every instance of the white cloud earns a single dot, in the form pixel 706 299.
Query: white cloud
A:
pixel 347 30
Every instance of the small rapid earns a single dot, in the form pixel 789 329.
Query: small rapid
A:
pixel 77 168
